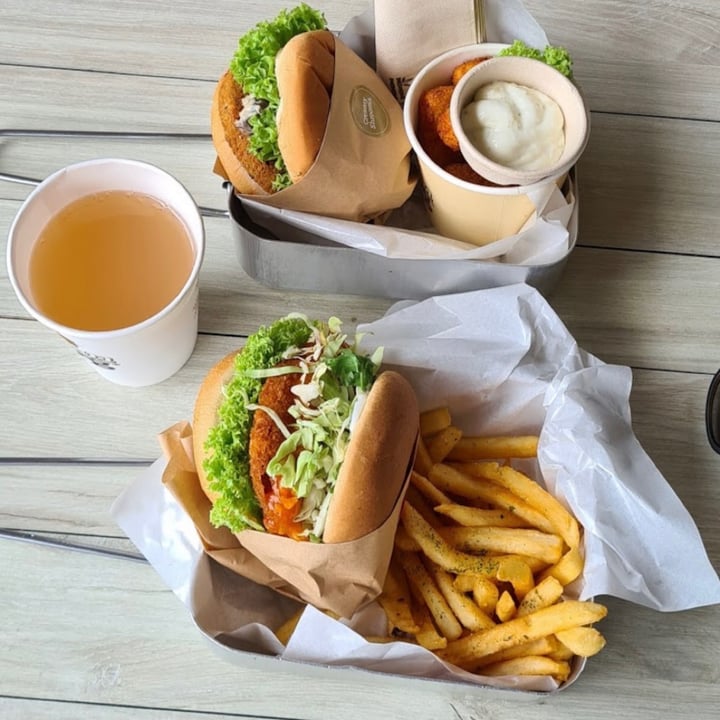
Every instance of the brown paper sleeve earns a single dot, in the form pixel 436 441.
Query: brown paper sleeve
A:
pixel 363 167
pixel 338 577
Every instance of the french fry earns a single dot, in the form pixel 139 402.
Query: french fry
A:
pixel 404 542
pixel 541 646
pixel 435 547
pixel 562 652
pixel 433 421
pixel 285 631
pixel 518 573
pixel 466 611
pixel 536 565
pixel 505 608
pixel 568 568
pixel 456 482
pixel 432 494
pixel 475 517
pixel 483 555
pixel 582 641
pixel 547 621
pixel 428 636
pixel 422 582
pixel 492 448
pixel 512 541
pixel 530 665
pixel 423 462
pixel 395 600
pixel 440 444
pixel 418 501
pixel 533 494
pixel 485 594
pixel 464 583
pixel 545 593
pixel 484 591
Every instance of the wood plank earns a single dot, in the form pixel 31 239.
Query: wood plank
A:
pixel 151 656
pixel 189 160
pixel 651 30
pixel 166 105
pixel 137 37
pixel 612 301
pixel 43 380
pixel 618 61
pixel 637 309
pixel 23 708
pixel 647 184
pixel 63 498
pixel 637 57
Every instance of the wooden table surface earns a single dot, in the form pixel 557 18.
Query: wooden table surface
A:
pixel 90 636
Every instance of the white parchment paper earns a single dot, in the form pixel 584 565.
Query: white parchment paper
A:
pixel 504 363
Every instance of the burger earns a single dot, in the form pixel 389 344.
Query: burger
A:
pixel 301 435
pixel 270 108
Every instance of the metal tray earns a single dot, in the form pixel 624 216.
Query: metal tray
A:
pixel 302 261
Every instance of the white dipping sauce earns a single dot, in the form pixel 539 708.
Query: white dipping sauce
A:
pixel 515 126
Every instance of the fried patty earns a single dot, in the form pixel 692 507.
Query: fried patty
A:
pixel 265 435
pixel 230 96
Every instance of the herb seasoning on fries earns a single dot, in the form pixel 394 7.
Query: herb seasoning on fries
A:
pixel 483 556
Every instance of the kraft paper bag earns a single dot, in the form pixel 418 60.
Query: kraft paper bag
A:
pixel 337 577
pixel 363 167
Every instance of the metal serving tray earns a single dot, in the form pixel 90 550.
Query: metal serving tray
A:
pixel 303 261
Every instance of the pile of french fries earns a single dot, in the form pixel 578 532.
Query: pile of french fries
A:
pixel 482 557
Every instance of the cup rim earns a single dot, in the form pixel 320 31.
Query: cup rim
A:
pixel 66 330
pixel 517 70
pixel 424 158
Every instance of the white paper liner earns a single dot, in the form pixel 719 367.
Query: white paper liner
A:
pixel 503 362
pixel 406 234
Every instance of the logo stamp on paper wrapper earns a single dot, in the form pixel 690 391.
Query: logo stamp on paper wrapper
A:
pixel 368 113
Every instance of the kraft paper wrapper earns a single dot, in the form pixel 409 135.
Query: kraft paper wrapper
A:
pixel 363 167
pixel 338 577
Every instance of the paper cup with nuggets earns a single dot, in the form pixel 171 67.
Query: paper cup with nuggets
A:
pixel 460 204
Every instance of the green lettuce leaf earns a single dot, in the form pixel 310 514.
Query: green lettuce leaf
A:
pixel 253 67
pixel 227 465
pixel 555 56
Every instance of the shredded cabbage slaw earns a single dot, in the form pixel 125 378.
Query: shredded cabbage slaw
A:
pixel 333 382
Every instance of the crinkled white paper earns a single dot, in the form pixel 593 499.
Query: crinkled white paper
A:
pixel 504 363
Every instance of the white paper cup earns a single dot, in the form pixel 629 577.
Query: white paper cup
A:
pixel 154 349
pixel 459 209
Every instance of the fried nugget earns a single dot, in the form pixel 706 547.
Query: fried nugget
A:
pixel 446 132
pixel 432 105
pixel 461 69
pixel 463 171
pixel 434 102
